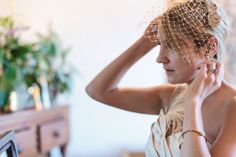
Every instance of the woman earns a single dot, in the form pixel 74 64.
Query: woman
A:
pixel 197 110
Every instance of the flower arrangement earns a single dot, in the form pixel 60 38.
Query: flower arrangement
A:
pixel 25 62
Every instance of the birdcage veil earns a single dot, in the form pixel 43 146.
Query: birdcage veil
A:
pixel 183 25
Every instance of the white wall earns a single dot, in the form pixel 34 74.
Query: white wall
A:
pixel 97 31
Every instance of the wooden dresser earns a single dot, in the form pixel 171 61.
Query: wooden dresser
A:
pixel 38 131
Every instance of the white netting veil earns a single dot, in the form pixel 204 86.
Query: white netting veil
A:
pixel 184 25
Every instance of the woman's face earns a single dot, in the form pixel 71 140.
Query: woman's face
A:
pixel 178 70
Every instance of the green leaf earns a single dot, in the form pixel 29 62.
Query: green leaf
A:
pixel 7 22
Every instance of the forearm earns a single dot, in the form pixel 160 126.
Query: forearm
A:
pixel 112 74
pixel 194 145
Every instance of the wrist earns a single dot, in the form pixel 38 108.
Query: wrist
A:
pixel 193 103
pixel 192 116
pixel 147 42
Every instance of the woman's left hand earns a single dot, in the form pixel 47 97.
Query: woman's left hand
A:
pixel 208 80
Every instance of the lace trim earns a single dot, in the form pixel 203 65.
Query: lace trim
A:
pixel 175 115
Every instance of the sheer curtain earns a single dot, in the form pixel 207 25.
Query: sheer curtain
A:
pixel 230 57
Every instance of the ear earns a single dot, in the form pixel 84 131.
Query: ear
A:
pixel 211 47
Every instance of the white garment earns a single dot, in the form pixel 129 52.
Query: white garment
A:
pixel 165 138
pixel 160 145
pixel 165 147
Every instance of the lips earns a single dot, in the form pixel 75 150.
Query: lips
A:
pixel 168 69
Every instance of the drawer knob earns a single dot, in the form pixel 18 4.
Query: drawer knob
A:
pixel 20 149
pixel 56 134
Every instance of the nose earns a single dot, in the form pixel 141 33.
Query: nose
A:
pixel 162 56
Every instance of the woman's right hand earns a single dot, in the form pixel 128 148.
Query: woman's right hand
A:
pixel 151 31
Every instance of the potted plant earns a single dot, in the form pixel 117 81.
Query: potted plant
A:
pixel 13 53
pixel 27 62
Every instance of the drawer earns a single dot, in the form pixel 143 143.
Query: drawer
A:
pixel 52 134
pixel 27 143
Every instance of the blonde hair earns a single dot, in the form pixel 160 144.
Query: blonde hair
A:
pixel 197 20
pixel 221 32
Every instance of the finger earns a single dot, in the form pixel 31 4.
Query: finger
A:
pixel 152 32
pixel 203 70
pixel 217 66
pixel 211 72
pixel 219 74
pixel 211 65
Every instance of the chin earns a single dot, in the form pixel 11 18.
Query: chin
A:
pixel 178 81
pixel 174 81
pixel 183 78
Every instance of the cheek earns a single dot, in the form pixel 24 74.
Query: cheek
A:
pixel 187 72
pixel 190 69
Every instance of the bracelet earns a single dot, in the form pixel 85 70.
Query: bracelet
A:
pixel 195 131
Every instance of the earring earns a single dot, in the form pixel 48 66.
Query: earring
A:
pixel 211 47
pixel 208 55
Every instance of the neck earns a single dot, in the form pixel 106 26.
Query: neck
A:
pixel 224 86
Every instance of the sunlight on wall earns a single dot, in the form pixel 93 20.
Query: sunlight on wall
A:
pixel 98 31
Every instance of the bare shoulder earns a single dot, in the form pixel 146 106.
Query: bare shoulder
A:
pixel 229 97
pixel 166 92
pixel 225 144
pixel 231 105
pixel 231 108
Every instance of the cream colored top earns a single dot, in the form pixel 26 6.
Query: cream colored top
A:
pixel 165 137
